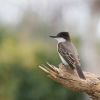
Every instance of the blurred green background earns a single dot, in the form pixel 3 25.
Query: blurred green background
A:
pixel 25 26
pixel 20 77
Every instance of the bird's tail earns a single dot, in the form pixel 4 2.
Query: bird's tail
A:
pixel 80 73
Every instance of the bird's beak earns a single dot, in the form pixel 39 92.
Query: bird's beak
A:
pixel 53 36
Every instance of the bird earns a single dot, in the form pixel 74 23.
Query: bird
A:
pixel 68 52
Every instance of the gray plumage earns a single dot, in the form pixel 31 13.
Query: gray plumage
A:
pixel 69 53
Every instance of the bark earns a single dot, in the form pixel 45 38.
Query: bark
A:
pixel 69 79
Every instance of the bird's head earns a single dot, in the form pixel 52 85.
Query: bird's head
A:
pixel 62 37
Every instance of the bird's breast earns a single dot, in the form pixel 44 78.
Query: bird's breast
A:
pixel 63 60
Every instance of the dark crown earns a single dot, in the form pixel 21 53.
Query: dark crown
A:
pixel 64 35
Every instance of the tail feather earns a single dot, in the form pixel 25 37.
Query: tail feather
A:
pixel 80 73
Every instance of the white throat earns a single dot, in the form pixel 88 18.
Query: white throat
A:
pixel 60 40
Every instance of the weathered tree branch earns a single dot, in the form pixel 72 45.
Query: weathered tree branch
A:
pixel 70 79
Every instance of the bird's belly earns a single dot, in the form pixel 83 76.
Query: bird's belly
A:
pixel 63 60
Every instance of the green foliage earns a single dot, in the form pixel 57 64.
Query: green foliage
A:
pixel 20 77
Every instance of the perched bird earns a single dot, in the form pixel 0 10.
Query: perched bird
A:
pixel 68 53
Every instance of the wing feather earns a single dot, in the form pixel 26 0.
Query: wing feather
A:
pixel 67 54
